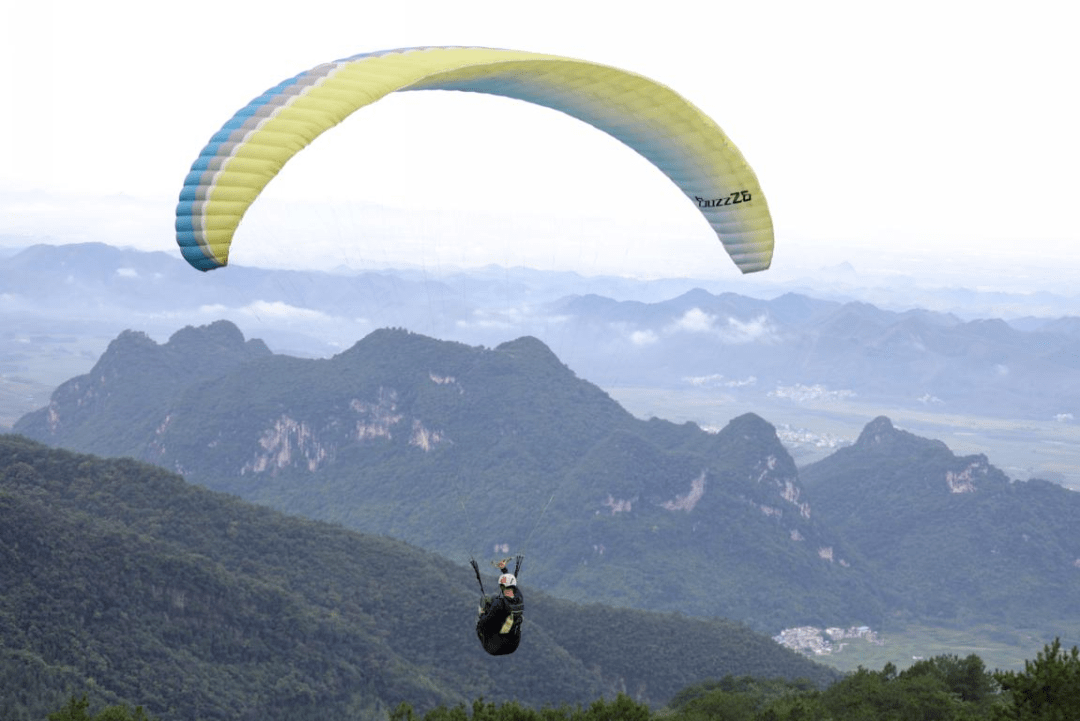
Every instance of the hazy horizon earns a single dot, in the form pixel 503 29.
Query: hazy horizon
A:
pixel 358 237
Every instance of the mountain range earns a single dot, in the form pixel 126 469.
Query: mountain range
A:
pixel 663 334
pixel 468 450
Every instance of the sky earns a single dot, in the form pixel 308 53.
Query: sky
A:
pixel 932 137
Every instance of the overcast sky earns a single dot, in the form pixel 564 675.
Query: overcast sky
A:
pixel 927 134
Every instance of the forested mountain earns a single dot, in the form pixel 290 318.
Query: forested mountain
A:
pixel 960 542
pixel 124 582
pixel 471 450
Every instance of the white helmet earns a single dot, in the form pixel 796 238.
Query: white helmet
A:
pixel 507 579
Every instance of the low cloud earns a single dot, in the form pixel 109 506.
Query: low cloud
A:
pixel 524 319
pixel 802 393
pixel 268 310
pixel 694 320
pixel 717 380
pixel 730 330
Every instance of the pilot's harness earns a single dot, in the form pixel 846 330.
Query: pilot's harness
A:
pixel 516 616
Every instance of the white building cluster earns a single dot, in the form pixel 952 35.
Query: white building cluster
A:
pixel 822 642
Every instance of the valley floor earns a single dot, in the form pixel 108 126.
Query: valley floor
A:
pixel 999 648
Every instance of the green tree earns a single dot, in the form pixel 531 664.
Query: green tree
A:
pixel 804 707
pixel 403 712
pixel 1048 689
pixel 77 709
pixel 888 696
pixel 965 678
pixel 734 698
pixel 623 708
pixel 722 706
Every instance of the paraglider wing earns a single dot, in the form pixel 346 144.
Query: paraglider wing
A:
pixel 680 140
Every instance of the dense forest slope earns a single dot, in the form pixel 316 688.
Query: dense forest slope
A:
pixel 124 582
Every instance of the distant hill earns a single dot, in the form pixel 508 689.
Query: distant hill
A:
pixel 62 304
pixel 126 583
pixel 465 450
pixel 952 539
pixel 912 359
